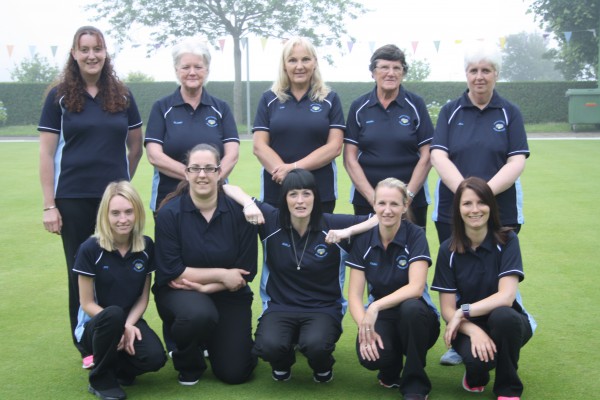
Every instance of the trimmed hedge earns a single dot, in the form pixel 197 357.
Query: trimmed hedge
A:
pixel 540 102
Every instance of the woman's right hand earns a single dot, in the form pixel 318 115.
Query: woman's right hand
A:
pixel 482 346
pixel 233 279
pixel 52 220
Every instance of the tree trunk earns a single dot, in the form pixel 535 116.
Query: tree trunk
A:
pixel 238 108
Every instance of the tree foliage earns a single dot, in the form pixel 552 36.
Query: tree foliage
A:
pixel 418 70
pixel 169 20
pixel 577 57
pixel 137 77
pixel 524 60
pixel 34 70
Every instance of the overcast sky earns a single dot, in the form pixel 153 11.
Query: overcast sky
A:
pixel 435 30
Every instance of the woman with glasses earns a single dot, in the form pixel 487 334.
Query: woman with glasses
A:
pixel 299 124
pixel 388 134
pixel 90 135
pixel 185 118
pixel 206 254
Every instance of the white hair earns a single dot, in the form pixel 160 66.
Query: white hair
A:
pixel 481 51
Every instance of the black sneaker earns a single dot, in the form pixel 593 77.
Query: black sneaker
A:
pixel 323 377
pixel 415 396
pixel 188 379
pixel 115 393
pixel 126 380
pixel 393 384
pixel 281 376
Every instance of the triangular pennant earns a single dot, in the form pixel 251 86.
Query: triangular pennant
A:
pixel 568 36
pixel 372 46
pixel 436 43
pixel 10 48
pixel 414 46
pixel 350 46
pixel 244 43
pixel 32 50
pixel 263 42
pixel 502 42
pixel 222 44
pixel 53 49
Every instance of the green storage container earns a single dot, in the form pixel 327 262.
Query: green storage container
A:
pixel 584 106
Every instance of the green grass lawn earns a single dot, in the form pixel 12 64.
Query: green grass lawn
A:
pixel 561 183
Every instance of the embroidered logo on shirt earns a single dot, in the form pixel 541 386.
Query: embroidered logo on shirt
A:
pixel 211 122
pixel 404 120
pixel 499 126
pixel 321 251
pixel 370 121
pixel 106 267
pixel 138 266
pixel 177 122
pixel 286 244
pixel 314 107
pixel 402 262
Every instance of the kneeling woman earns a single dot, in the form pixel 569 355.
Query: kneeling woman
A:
pixel 114 268
pixel 400 321
pixel 206 253
pixel 477 273
pixel 302 276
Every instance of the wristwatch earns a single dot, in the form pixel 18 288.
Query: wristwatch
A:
pixel 410 194
pixel 466 310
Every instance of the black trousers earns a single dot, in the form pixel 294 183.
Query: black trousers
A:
pixel 79 221
pixel 101 337
pixel 418 214
pixel 407 330
pixel 510 330
pixel 314 333
pixel 220 323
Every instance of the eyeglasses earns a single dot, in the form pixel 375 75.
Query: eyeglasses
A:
pixel 210 169
pixel 386 68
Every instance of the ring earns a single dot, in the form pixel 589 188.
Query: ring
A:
pixel 366 346
pixel 368 329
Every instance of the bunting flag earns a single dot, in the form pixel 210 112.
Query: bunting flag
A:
pixel 222 44
pixel 263 42
pixel 244 42
pixel 414 46
pixel 568 36
pixel 53 48
pixel 458 41
pixel 502 42
pixel 32 50
pixel 372 46
pixel 546 36
pixel 350 46
pixel 10 48
pixel 436 43
pixel 593 31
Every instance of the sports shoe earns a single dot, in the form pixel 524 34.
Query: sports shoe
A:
pixel 395 384
pixel 323 377
pixel 187 379
pixel 474 389
pixel 415 396
pixel 508 398
pixel 88 362
pixel 451 357
pixel 108 394
pixel 281 376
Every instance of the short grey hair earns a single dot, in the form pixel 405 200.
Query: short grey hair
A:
pixel 483 52
pixel 191 46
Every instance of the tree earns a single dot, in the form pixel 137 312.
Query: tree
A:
pixel 34 70
pixel 576 57
pixel 167 20
pixel 418 70
pixel 137 77
pixel 523 59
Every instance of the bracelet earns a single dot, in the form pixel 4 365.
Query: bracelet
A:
pixel 49 208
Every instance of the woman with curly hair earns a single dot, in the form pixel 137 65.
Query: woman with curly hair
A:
pixel 90 135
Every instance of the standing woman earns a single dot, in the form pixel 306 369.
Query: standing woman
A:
pixel 480 134
pixel 302 277
pixel 90 135
pixel 388 135
pixel 477 273
pixel 400 323
pixel 115 268
pixel 186 118
pixel 299 124
pixel 206 253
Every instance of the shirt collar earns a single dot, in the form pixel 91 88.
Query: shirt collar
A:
pixel 400 98
pixel 400 239
pixel 187 205
pixel 495 101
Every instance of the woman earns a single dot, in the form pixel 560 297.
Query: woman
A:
pixel 480 134
pixel 206 254
pixel 477 273
pixel 114 268
pixel 186 118
pixel 302 276
pixel 388 134
pixel 299 124
pixel 400 319
pixel 90 135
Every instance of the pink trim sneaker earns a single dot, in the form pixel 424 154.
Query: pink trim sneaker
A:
pixel 508 398
pixel 88 362
pixel 474 389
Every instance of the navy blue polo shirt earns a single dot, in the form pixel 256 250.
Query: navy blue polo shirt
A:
pixel 317 284
pixel 474 275
pixel 177 127
pixel 386 270
pixel 479 142
pixel 296 129
pixel 118 280
pixel 185 239
pixel 389 140
pixel 92 147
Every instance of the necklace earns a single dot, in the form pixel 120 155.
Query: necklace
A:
pixel 298 262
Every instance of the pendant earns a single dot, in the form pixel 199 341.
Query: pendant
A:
pixel 298 268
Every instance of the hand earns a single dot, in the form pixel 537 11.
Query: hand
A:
pixel 234 279
pixel 337 235
pixel 184 284
pixel 130 334
pixel 452 327
pixel 368 338
pixel 280 172
pixel 253 214
pixel 52 221
pixel 482 346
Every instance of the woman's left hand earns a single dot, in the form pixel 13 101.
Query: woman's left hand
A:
pixel 253 214
pixel 368 338
pixel 337 235
pixel 280 172
pixel 452 328
pixel 130 334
